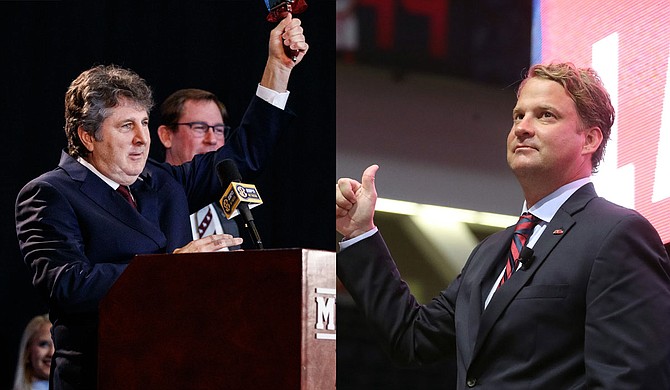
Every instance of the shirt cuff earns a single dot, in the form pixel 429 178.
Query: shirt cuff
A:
pixel 344 244
pixel 277 99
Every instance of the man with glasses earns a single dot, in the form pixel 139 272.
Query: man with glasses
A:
pixel 192 123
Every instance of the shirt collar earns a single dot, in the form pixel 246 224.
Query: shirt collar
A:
pixel 547 207
pixel 104 178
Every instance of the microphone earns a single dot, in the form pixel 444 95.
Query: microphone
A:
pixel 526 257
pixel 238 197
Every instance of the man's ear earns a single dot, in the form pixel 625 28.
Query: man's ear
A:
pixel 86 138
pixel 165 135
pixel 593 137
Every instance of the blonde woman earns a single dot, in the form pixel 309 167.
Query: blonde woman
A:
pixel 34 363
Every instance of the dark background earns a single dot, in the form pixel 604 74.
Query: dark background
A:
pixel 485 41
pixel 219 46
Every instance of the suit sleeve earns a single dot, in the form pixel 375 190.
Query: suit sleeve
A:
pixel 53 247
pixel 412 334
pixel 250 146
pixel 627 336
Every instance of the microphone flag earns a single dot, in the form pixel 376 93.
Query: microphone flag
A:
pixel 237 193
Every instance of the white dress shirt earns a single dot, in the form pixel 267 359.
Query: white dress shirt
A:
pixel 545 209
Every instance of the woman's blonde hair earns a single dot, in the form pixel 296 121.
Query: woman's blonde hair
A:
pixel 24 375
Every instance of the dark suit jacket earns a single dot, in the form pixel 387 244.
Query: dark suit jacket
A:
pixel 229 226
pixel 592 311
pixel 77 234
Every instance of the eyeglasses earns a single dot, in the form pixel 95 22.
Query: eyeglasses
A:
pixel 201 128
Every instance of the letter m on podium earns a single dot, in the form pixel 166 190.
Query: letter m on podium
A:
pixel 325 311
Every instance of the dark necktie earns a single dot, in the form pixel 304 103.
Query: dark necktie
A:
pixel 204 220
pixel 125 192
pixel 522 231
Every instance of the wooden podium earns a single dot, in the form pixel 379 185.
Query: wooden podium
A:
pixel 259 319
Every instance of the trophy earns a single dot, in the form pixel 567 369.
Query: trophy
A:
pixel 278 10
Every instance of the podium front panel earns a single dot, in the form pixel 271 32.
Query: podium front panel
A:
pixel 233 320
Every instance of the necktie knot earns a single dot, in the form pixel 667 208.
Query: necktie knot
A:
pixel 526 224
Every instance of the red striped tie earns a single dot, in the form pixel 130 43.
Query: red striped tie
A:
pixel 522 231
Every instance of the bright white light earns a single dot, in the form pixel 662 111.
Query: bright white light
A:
pixel 440 214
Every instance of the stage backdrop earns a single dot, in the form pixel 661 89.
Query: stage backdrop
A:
pixel 215 45
pixel 628 43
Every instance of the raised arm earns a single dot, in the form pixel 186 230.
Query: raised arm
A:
pixel 278 68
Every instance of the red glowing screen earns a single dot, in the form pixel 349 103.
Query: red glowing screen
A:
pixel 628 43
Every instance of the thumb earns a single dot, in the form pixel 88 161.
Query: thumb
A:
pixel 368 179
pixel 285 21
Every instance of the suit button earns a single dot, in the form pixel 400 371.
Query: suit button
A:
pixel 471 382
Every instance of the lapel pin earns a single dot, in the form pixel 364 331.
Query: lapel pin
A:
pixel 557 232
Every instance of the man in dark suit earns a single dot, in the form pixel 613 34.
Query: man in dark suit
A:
pixel 589 305
pixel 192 121
pixel 80 225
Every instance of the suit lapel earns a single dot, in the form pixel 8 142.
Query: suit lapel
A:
pixel 556 230
pixel 147 198
pixel 107 199
pixel 485 271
